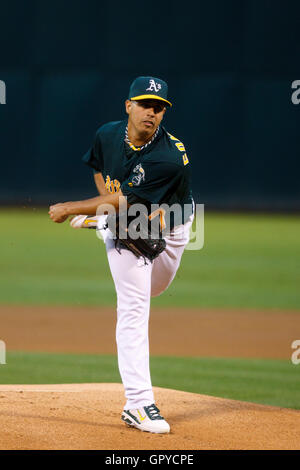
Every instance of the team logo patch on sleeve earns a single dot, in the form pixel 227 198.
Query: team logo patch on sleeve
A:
pixel 139 177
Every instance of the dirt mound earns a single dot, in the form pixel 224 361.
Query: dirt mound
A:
pixel 87 416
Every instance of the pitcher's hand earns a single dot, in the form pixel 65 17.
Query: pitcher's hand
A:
pixel 58 212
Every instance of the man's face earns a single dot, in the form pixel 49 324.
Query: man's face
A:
pixel 145 115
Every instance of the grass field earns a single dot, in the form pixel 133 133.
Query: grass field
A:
pixel 269 382
pixel 247 261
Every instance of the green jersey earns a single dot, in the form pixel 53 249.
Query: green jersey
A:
pixel 157 174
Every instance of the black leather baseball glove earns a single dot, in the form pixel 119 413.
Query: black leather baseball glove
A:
pixel 136 235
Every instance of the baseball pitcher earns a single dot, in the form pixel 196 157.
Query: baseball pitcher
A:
pixel 136 161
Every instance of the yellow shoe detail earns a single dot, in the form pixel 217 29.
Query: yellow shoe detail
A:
pixel 87 221
pixel 141 417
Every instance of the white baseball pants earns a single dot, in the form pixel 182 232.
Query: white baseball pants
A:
pixel 135 283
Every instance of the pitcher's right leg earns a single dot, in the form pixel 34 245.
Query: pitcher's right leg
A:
pixel 132 278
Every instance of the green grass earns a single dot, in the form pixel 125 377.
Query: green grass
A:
pixel 271 382
pixel 247 261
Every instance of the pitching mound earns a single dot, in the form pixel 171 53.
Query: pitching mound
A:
pixel 87 416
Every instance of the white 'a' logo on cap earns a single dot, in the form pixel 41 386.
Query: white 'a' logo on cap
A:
pixel 154 86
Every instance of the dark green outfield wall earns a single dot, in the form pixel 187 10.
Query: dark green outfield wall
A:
pixel 230 64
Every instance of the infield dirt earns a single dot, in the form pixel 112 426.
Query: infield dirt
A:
pixel 87 416
pixel 190 332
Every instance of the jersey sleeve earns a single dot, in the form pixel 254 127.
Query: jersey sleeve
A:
pixel 94 156
pixel 151 181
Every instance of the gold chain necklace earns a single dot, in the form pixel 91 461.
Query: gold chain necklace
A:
pixel 138 149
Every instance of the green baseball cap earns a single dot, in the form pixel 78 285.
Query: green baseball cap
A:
pixel 145 88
